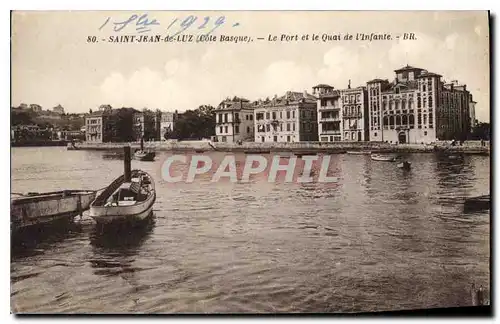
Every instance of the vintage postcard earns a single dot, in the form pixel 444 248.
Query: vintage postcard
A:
pixel 241 162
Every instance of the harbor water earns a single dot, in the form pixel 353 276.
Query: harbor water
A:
pixel 380 239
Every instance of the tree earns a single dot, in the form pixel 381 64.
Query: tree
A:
pixel 195 124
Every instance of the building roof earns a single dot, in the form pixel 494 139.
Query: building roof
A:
pixel 322 85
pixel 377 80
pixel 406 68
pixel 428 74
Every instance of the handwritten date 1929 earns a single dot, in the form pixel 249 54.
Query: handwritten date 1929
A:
pixel 144 24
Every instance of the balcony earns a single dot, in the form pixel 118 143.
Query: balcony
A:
pixel 360 115
pixel 329 119
pixel 329 107
pixel 330 132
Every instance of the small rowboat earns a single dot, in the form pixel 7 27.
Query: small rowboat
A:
pixel 43 208
pixel 387 158
pixel 359 152
pixel 125 201
pixel 405 165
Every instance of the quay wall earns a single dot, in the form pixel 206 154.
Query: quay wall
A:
pixel 471 147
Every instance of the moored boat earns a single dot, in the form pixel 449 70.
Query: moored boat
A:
pixel 359 152
pixel 43 208
pixel 380 157
pixel 405 165
pixel 477 203
pixel 128 199
pixel 144 155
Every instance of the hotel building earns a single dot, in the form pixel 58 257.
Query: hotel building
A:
pixel 417 107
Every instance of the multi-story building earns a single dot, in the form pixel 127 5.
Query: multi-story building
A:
pixel 342 114
pixel 289 118
pixel 96 126
pixel 417 107
pixel 329 107
pixel 166 124
pixel 234 120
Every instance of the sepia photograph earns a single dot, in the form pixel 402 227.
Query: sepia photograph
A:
pixel 250 162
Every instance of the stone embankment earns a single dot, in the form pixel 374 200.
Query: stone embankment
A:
pixel 470 147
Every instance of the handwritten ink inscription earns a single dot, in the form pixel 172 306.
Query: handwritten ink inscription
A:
pixel 143 23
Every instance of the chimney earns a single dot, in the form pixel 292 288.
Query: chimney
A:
pixel 349 85
pixel 305 93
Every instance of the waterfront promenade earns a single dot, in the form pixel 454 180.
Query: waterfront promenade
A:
pixel 469 147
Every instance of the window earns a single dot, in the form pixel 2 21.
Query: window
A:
pixel 268 128
pixel 288 114
pixel 236 129
pixel 220 129
pixel 293 126
pixel 288 127
pixel 251 117
pixel 225 118
pixel 419 103
pixel 259 116
pixel 236 117
pixel 281 115
pixel 293 114
pixel 246 117
pixel 430 101
pixel 225 129
pixel 274 116
pixel 275 138
pixel 425 133
pixel 375 134
pixel 248 129
pixel 288 138
pixel 267 115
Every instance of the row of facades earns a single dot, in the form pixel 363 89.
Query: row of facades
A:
pixel 416 107
pixel 146 124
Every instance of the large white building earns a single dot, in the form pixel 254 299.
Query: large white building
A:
pixel 289 118
pixel 234 121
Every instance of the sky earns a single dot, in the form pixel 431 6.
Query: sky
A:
pixel 53 62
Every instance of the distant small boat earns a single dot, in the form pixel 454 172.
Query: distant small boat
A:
pixel 125 201
pixel 144 155
pixel 477 203
pixel 359 152
pixel 379 157
pixel 405 165
pixel 42 208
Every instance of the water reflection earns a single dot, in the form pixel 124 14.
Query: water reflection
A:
pixel 35 240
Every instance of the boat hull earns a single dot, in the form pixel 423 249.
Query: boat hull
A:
pixel 359 152
pixel 49 207
pixel 383 158
pixel 111 214
pixel 124 214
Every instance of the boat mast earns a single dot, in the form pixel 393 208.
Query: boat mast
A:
pixel 127 174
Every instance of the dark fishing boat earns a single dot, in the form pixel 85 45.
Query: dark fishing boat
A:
pixel 43 208
pixel 143 155
pixel 477 203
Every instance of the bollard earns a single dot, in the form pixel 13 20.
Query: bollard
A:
pixel 127 164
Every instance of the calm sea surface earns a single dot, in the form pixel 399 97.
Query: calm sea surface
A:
pixel 382 239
